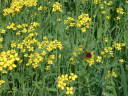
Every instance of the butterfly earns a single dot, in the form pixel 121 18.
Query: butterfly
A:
pixel 86 54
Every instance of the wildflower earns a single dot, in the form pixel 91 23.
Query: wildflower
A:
pixel 118 46
pixel 1 39
pixel 73 77
pixel 90 61
pixel 34 60
pixel 111 74
pixel 1 82
pixel 8 59
pixel 17 5
pixel 108 17
pixel 47 68
pixel 40 8
pixel 57 7
pixel 11 26
pixel 121 60
pixel 98 59
pixel 64 81
pixel 108 2
pixel 70 22
pixel 71 59
pixel 69 90
pixel 118 18
pixel 44 53
pixel 83 22
pixel 96 1
pixel 74 54
pixel 120 10
pixel 2 31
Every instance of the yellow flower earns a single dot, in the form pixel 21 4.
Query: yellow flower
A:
pixel 121 60
pixel 47 67
pixel 118 18
pixel 98 59
pixel 17 5
pixel 83 22
pixel 73 76
pixel 1 39
pixel 90 61
pixel 111 74
pixel 44 53
pixel 42 8
pixel 74 54
pixel 64 81
pixel 2 31
pixel 57 7
pixel 120 10
pixel 118 46
pixel 50 61
pixel 2 82
pixel 69 90
pixel 8 59
pixel 34 60
pixel 96 1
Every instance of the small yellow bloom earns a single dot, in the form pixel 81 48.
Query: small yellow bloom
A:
pixel 2 82
pixel 57 7
pixel 120 10
pixel 69 90
pixel 121 60
pixel 98 59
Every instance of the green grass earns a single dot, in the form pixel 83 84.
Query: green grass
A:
pixel 28 81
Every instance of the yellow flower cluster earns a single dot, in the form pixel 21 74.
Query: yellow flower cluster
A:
pixel 11 26
pixel 34 60
pixel 107 50
pixel 70 22
pixel 69 90
pixel 7 60
pixel 98 59
pixel 90 61
pixel 120 10
pixel 105 8
pixel 1 82
pixel 94 59
pixel 17 5
pixel 106 2
pixel 22 28
pixel 42 8
pixel 54 45
pixel 28 43
pixel 121 60
pixel 26 33
pixel 111 74
pixel 57 7
pixel 50 60
pixel 118 46
pixel 63 82
pixel 96 1
pixel 83 22
pixel 2 31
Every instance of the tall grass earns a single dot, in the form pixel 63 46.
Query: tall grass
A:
pixel 92 80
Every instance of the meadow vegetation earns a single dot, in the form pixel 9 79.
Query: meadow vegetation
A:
pixel 63 47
